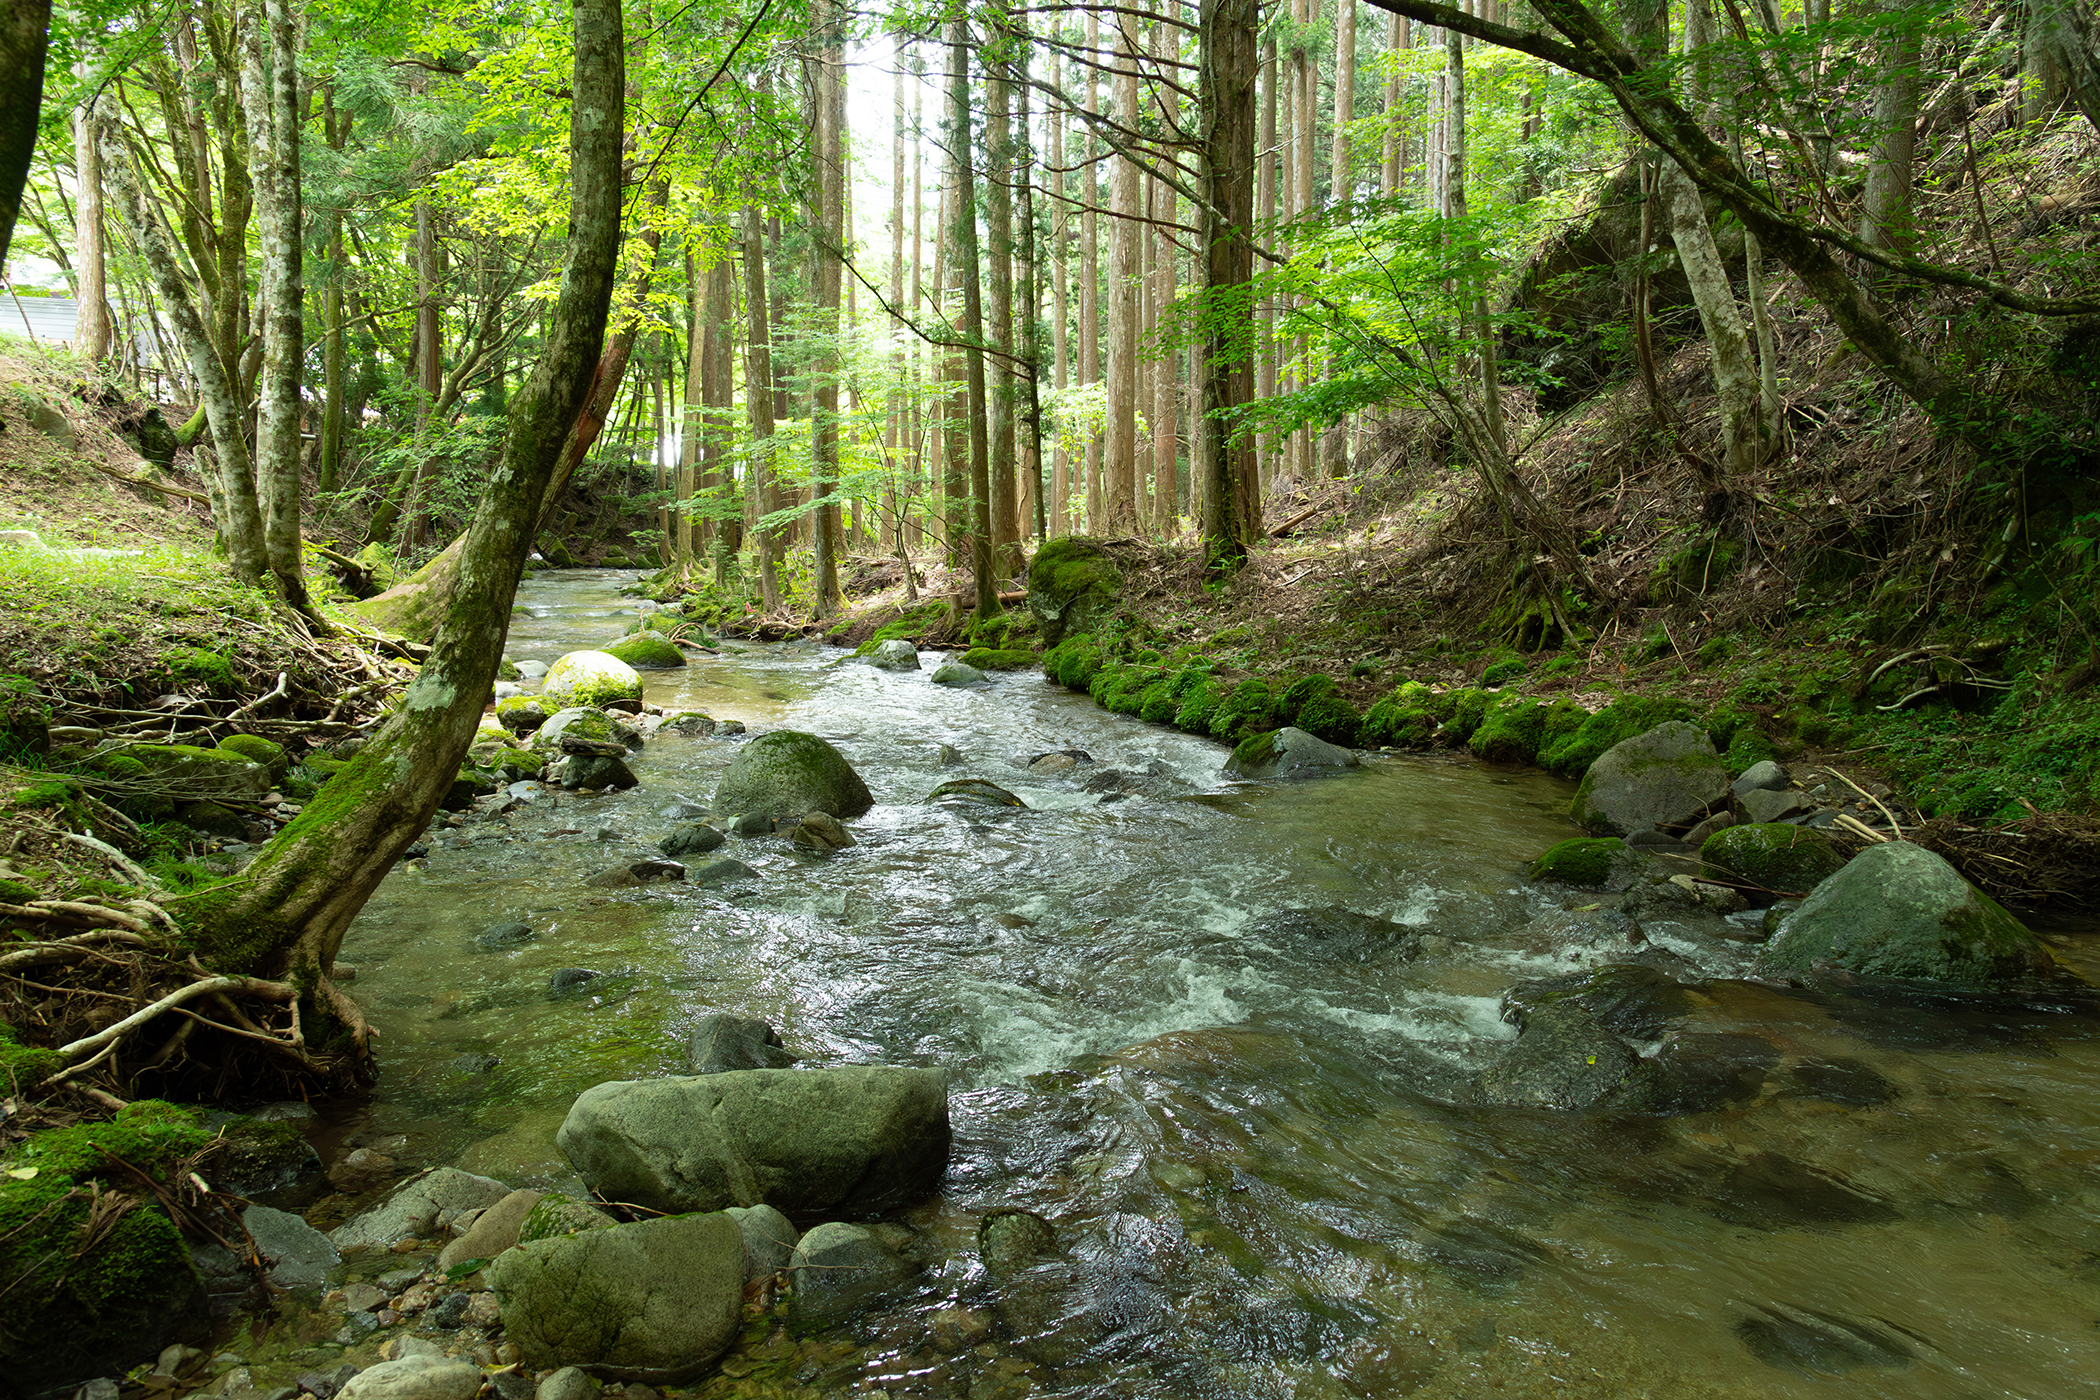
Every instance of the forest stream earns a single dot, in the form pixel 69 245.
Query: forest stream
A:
pixel 1245 1134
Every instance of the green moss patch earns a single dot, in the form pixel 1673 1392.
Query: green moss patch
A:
pixel 993 659
pixel 647 651
pixel 1585 860
pixel 1510 733
pixel 1783 859
pixel 253 748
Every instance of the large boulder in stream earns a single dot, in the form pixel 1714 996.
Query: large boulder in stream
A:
pixel 582 722
pixel 1073 584
pixel 653 1302
pixel 787 773
pixel 855 1140
pixel 1668 776
pixel 647 651
pixel 1898 910
pixel 590 678
pixel 894 654
pixel 1285 753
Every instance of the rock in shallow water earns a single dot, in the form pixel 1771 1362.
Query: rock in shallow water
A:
pixel 652 1302
pixel 838 1268
pixel 690 838
pixel 896 654
pixel 1814 1343
pixel 853 1140
pixel 418 1208
pixel 787 773
pixel 955 673
pixel 1565 1059
pixel 415 1378
pixel 1668 776
pixel 1286 753
pixel 590 678
pixel 722 1042
pixel 973 792
pixel 1898 910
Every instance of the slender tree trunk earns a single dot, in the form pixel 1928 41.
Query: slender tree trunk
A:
pixel 287 914
pixel 899 361
pixel 1394 154
pixel 999 285
pixel 1334 443
pixel 692 418
pixel 1090 282
pixel 92 332
pixel 235 510
pixel 270 98
pixel 758 404
pixel 1885 212
pixel 965 237
pixel 830 247
pixel 718 411
pixel 1060 305
pixel 1032 484
pixel 1267 169
pixel 1223 457
pixel 1121 454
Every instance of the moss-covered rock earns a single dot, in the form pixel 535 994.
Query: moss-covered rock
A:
pixel 1510 733
pixel 1504 671
pixel 200 669
pixel 22 1066
pixel 1074 662
pixel 1295 695
pixel 1667 777
pixel 1193 712
pixel 1072 587
pixel 1898 910
pixel 1574 751
pixel 583 723
pixel 1249 709
pixel 787 773
pixel 590 678
pixel 1786 860
pixel 991 659
pixel 203 773
pixel 1695 568
pixel 1599 862
pixel 1467 708
pixel 1158 704
pixel 1389 725
pixel 1330 717
pixel 645 651
pixel 555 1214
pixel 1121 689
pixel 521 714
pixel 84 1301
pixel 256 749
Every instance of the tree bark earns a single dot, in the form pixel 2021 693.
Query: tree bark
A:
pixel 92 332
pixel 270 99
pixel 1121 484
pixel 999 287
pixel 24 36
pixel 286 916
pixel 718 411
pixel 830 245
pixel 1060 518
pixel 1885 212
pixel 967 269
pixel 758 405
pixel 1222 455
pixel 1090 280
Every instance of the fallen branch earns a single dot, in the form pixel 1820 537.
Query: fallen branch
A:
pixel 1894 825
pixel 258 700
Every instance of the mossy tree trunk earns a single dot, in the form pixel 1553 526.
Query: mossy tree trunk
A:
pixel 287 915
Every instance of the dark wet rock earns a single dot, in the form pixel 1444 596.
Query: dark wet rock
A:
pixel 690 723
pixel 1626 998
pixel 896 654
pixel 722 1042
pixel 690 838
pixel 297 1255
pixel 1284 753
pixel 1769 1192
pixel 654 1301
pixel 852 1140
pixel 1334 934
pixel 948 756
pixel 1009 1240
pixel 1668 776
pixel 595 772
pixel 1893 1014
pixel 1898 910
pixel 1056 761
pixel 1111 783
pixel 719 872
pixel 1812 1343
pixel 473 1062
pixel 1660 897
pixel 507 935
pixel 1704 831
pixel 752 824
pixel 449 1312
pixel 1698 1072
pixel 729 727
pixel 568 979
pixel 1846 1081
pixel 258 1157
pixel 418 851
pixel 593 748
pixel 640 872
pixel 820 832
pixel 584 722
pixel 1564 1059
pixel 969 792
pixel 838 1269
pixel 520 714
pixel 787 773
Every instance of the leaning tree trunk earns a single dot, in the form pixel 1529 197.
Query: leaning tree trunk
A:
pixel 287 914
pixel 24 31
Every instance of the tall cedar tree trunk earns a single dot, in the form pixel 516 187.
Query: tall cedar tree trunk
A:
pixel 1334 443
pixel 287 914
pixel 758 405
pixel 1166 490
pixel 692 417
pixel 270 100
pixel 830 196
pixel 1223 457
pixel 1060 304
pixel 234 507
pixel 894 440
pixel 1266 173
pixel 1120 485
pixel 24 36
pixel 92 332
pixel 1090 274
pixel 999 285
pixel 718 410
pixel 967 272
pixel 1032 484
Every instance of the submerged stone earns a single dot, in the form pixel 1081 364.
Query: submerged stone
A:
pixel 722 1042
pixel 1565 1059
pixel 1626 998
pixel 973 792
pixel 895 654
pixel 1812 1343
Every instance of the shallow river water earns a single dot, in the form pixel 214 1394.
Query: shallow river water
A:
pixel 1253 1150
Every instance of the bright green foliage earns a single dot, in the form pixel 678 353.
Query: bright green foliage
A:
pixel 1585 860
pixel 194 666
pixel 1328 716
pixel 1388 724
pixel 1301 692
pixel 1573 753
pixel 1121 688
pixel 1249 709
pixel 1510 733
